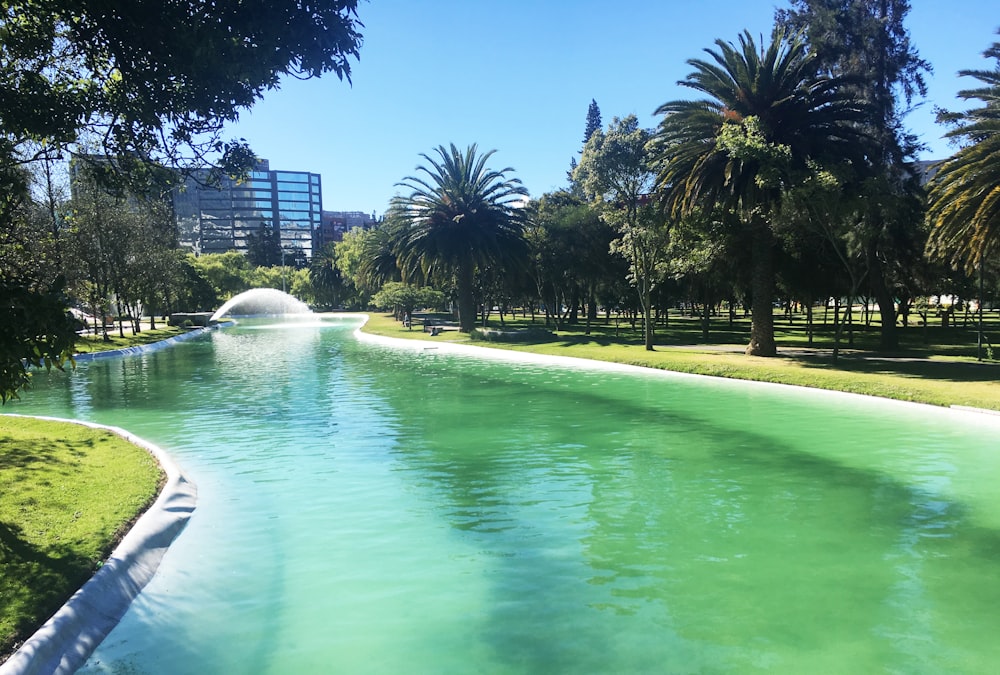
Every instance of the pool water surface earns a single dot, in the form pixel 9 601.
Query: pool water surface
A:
pixel 371 509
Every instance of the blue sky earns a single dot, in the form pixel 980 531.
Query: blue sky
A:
pixel 518 77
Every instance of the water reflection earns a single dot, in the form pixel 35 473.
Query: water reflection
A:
pixel 373 509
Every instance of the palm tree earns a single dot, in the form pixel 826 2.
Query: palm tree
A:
pixel 770 121
pixel 460 218
pixel 965 192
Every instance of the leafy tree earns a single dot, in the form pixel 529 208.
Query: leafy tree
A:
pixel 327 280
pixel 866 42
pixel 770 121
pixel 616 169
pixel 299 283
pixel 39 332
pixel 404 298
pixel 226 273
pixel 264 247
pixel 569 247
pixel 593 125
pixel 965 191
pixel 36 330
pixel 145 81
pixel 459 218
pixel 366 260
pixel 137 79
pixel 701 257
pixel 188 290
pixel 593 121
pixel 101 231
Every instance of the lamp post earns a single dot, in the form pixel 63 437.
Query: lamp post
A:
pixel 283 269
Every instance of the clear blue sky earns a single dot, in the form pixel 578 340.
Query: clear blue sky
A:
pixel 518 76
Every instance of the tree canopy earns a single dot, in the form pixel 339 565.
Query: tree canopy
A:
pixel 157 80
pixel 149 86
pixel 770 121
pixel 459 218
pixel 965 190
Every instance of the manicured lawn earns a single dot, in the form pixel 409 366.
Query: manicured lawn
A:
pixel 69 493
pixel 942 371
pixel 95 343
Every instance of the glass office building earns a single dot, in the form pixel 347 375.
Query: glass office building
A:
pixel 216 219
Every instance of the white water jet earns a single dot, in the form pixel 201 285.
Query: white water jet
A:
pixel 262 302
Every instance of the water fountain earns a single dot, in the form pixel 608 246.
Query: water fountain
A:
pixel 262 302
pixel 363 509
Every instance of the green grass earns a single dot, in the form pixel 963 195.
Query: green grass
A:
pixel 69 493
pixel 942 371
pixel 86 344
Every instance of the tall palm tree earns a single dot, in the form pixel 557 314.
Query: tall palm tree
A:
pixel 770 122
pixel 460 218
pixel 965 192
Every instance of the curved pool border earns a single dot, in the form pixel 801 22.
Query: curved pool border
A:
pixel 151 347
pixel 65 642
pixel 980 415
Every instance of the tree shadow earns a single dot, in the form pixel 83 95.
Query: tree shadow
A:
pixel 902 366
pixel 25 454
pixel 35 583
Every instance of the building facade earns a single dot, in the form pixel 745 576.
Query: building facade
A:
pixel 335 223
pixel 216 219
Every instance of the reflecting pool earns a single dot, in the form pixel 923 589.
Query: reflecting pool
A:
pixel 371 509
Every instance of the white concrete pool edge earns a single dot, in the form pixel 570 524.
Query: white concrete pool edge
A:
pixel 981 415
pixel 66 640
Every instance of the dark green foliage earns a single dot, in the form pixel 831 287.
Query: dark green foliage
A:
pixel 150 85
pixel 593 121
pixel 771 122
pixel 153 78
pixel 403 299
pixel 570 254
pixel 460 219
pixel 965 190
pixel 264 247
pixel 37 332
pixel 866 42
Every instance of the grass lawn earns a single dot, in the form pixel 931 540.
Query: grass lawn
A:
pixel 89 343
pixel 69 493
pixel 941 371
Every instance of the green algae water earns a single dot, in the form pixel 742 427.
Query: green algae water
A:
pixel 375 509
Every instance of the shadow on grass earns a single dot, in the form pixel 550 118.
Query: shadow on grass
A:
pixel 903 366
pixel 35 583
pixel 27 455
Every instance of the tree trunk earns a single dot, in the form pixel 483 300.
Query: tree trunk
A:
pixel 705 320
pixel 762 287
pixel 466 298
pixel 888 338
pixel 836 329
pixel 646 301
pixel 809 320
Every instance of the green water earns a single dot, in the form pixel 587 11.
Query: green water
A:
pixel 367 509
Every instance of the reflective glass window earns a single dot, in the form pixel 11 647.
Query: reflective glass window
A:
pixel 293 177
pixel 286 197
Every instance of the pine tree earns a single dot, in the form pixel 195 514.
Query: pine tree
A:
pixel 593 121
pixel 866 40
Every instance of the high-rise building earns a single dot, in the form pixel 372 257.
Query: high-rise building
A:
pixel 218 218
pixel 335 223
